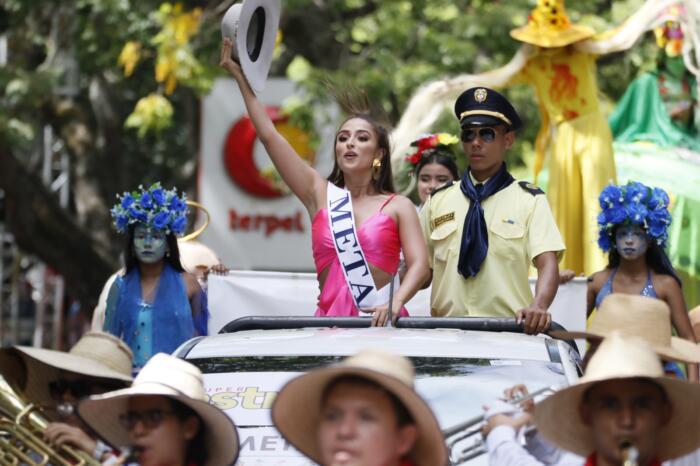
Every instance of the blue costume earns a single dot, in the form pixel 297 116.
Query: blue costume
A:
pixel 132 319
pixel 648 289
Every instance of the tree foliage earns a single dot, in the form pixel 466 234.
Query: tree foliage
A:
pixel 84 67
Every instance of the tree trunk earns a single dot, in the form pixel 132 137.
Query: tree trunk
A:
pixel 42 227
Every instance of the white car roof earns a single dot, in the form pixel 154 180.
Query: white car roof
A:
pixel 347 341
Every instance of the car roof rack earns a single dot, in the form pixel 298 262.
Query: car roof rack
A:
pixel 486 324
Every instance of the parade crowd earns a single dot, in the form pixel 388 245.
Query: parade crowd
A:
pixel 119 397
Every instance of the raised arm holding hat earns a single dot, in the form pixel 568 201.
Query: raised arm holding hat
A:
pixel 485 231
pixel 359 224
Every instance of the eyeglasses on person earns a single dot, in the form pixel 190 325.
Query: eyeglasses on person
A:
pixel 150 418
pixel 485 134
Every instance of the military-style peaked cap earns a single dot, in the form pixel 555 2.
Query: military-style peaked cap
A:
pixel 481 106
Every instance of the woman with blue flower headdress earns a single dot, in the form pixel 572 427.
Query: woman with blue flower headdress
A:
pixel 633 230
pixel 155 305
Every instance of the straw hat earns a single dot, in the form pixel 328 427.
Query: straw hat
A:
pixel 252 26
pixel 640 316
pixel 174 378
pixel 558 419
pixel 97 355
pixel 296 411
pixel 694 315
pixel 548 26
pixel 194 254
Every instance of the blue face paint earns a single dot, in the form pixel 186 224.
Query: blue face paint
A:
pixel 149 244
pixel 631 241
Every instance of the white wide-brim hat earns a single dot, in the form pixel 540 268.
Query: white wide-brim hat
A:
pixel 639 316
pixel 97 355
pixel 252 26
pixel 558 417
pixel 171 377
pixel 296 411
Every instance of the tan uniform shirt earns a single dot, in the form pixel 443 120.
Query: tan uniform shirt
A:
pixel 520 227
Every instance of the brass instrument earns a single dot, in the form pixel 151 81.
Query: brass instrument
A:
pixel 21 436
pixel 463 432
pixel 630 454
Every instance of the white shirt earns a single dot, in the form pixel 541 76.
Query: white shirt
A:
pixel 505 450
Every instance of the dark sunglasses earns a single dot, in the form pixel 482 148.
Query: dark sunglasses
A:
pixel 485 134
pixel 79 389
pixel 150 418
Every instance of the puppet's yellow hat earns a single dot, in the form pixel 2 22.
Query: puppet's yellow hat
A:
pixel 549 26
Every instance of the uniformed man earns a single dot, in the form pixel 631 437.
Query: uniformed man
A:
pixel 485 231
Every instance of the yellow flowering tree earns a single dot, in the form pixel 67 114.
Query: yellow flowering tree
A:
pixel 175 62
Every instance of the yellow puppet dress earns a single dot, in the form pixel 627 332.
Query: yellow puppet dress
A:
pixel 578 138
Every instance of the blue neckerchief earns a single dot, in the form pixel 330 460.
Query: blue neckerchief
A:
pixel 475 238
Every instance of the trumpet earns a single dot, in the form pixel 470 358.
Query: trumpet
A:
pixel 21 436
pixel 462 432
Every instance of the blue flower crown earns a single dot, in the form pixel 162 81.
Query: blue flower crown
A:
pixel 633 204
pixel 155 207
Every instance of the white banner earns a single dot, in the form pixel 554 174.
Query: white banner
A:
pixel 253 225
pixel 242 293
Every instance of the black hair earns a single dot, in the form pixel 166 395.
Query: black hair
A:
pixel 656 258
pixel 172 257
pixel 439 157
pixel 403 416
pixel 384 183
pixel 196 448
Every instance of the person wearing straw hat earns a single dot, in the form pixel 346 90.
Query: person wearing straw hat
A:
pixel 363 411
pixel 56 380
pixel 628 315
pixel 155 306
pixel 644 317
pixel 623 408
pixel 164 418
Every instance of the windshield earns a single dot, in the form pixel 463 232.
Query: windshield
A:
pixel 455 388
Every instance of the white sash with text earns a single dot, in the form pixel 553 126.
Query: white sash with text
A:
pixel 347 245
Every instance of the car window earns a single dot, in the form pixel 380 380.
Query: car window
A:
pixel 455 388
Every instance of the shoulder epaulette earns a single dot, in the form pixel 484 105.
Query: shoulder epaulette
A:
pixel 444 186
pixel 530 188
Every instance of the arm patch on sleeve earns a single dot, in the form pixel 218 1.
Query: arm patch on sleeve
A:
pixel 530 188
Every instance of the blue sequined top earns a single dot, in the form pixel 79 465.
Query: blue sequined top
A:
pixel 607 288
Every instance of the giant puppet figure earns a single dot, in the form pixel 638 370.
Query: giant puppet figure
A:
pixel 559 60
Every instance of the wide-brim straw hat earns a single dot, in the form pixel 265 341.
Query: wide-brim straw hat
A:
pixel 194 254
pixel 171 377
pixel 97 356
pixel 296 411
pixel 549 26
pixel 558 417
pixel 640 316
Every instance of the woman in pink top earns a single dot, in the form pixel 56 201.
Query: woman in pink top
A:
pixel 385 222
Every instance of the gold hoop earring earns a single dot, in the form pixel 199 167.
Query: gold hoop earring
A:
pixel 376 169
